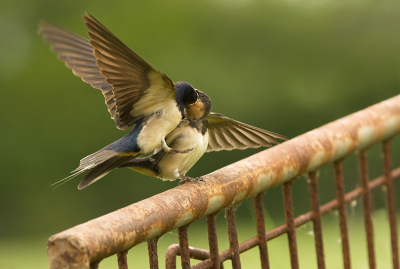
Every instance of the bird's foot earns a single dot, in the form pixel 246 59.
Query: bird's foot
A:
pixel 171 150
pixel 185 179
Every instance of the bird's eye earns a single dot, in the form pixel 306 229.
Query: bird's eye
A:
pixel 194 96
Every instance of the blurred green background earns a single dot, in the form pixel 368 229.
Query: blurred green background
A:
pixel 285 66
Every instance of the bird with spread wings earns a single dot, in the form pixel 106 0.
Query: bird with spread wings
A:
pixel 171 119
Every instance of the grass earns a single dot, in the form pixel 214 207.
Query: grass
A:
pixel 31 252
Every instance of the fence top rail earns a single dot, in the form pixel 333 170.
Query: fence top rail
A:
pixel 120 230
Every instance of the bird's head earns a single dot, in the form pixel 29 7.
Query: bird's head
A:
pixel 199 109
pixel 193 104
pixel 185 95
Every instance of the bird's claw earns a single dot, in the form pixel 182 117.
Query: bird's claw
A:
pixel 171 150
pixel 185 179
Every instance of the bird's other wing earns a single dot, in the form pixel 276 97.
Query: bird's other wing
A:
pixel 227 134
pixel 139 89
pixel 77 54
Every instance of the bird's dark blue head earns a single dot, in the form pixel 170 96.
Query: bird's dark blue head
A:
pixel 185 95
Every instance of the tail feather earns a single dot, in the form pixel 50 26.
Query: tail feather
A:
pixel 103 169
pixel 89 162
pixel 103 161
pixel 95 159
pixel 100 163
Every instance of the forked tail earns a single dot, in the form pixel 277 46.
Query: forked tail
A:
pixel 100 163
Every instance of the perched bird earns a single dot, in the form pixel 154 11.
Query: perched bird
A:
pixel 135 93
pixel 203 132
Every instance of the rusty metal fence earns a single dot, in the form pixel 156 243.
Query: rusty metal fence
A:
pixel 85 245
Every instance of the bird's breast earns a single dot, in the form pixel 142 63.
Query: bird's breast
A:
pixel 195 111
pixel 182 139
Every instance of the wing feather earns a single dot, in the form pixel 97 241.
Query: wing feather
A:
pixel 235 143
pixel 223 141
pixel 227 134
pixel 132 87
pixel 139 89
pixel 212 141
pixel 243 138
pixel 77 54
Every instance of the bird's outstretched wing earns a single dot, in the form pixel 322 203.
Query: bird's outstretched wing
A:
pixel 132 87
pixel 139 89
pixel 227 134
pixel 77 54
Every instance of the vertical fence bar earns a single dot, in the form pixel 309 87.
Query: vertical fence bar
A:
pixel 122 260
pixel 367 208
pixel 314 197
pixel 184 246
pixel 233 237
pixel 340 192
pixel 387 166
pixel 152 250
pixel 262 239
pixel 288 204
pixel 213 240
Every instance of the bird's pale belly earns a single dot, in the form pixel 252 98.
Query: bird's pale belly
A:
pixel 173 165
pixel 156 129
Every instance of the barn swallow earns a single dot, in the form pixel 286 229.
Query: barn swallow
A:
pixel 203 132
pixel 135 93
